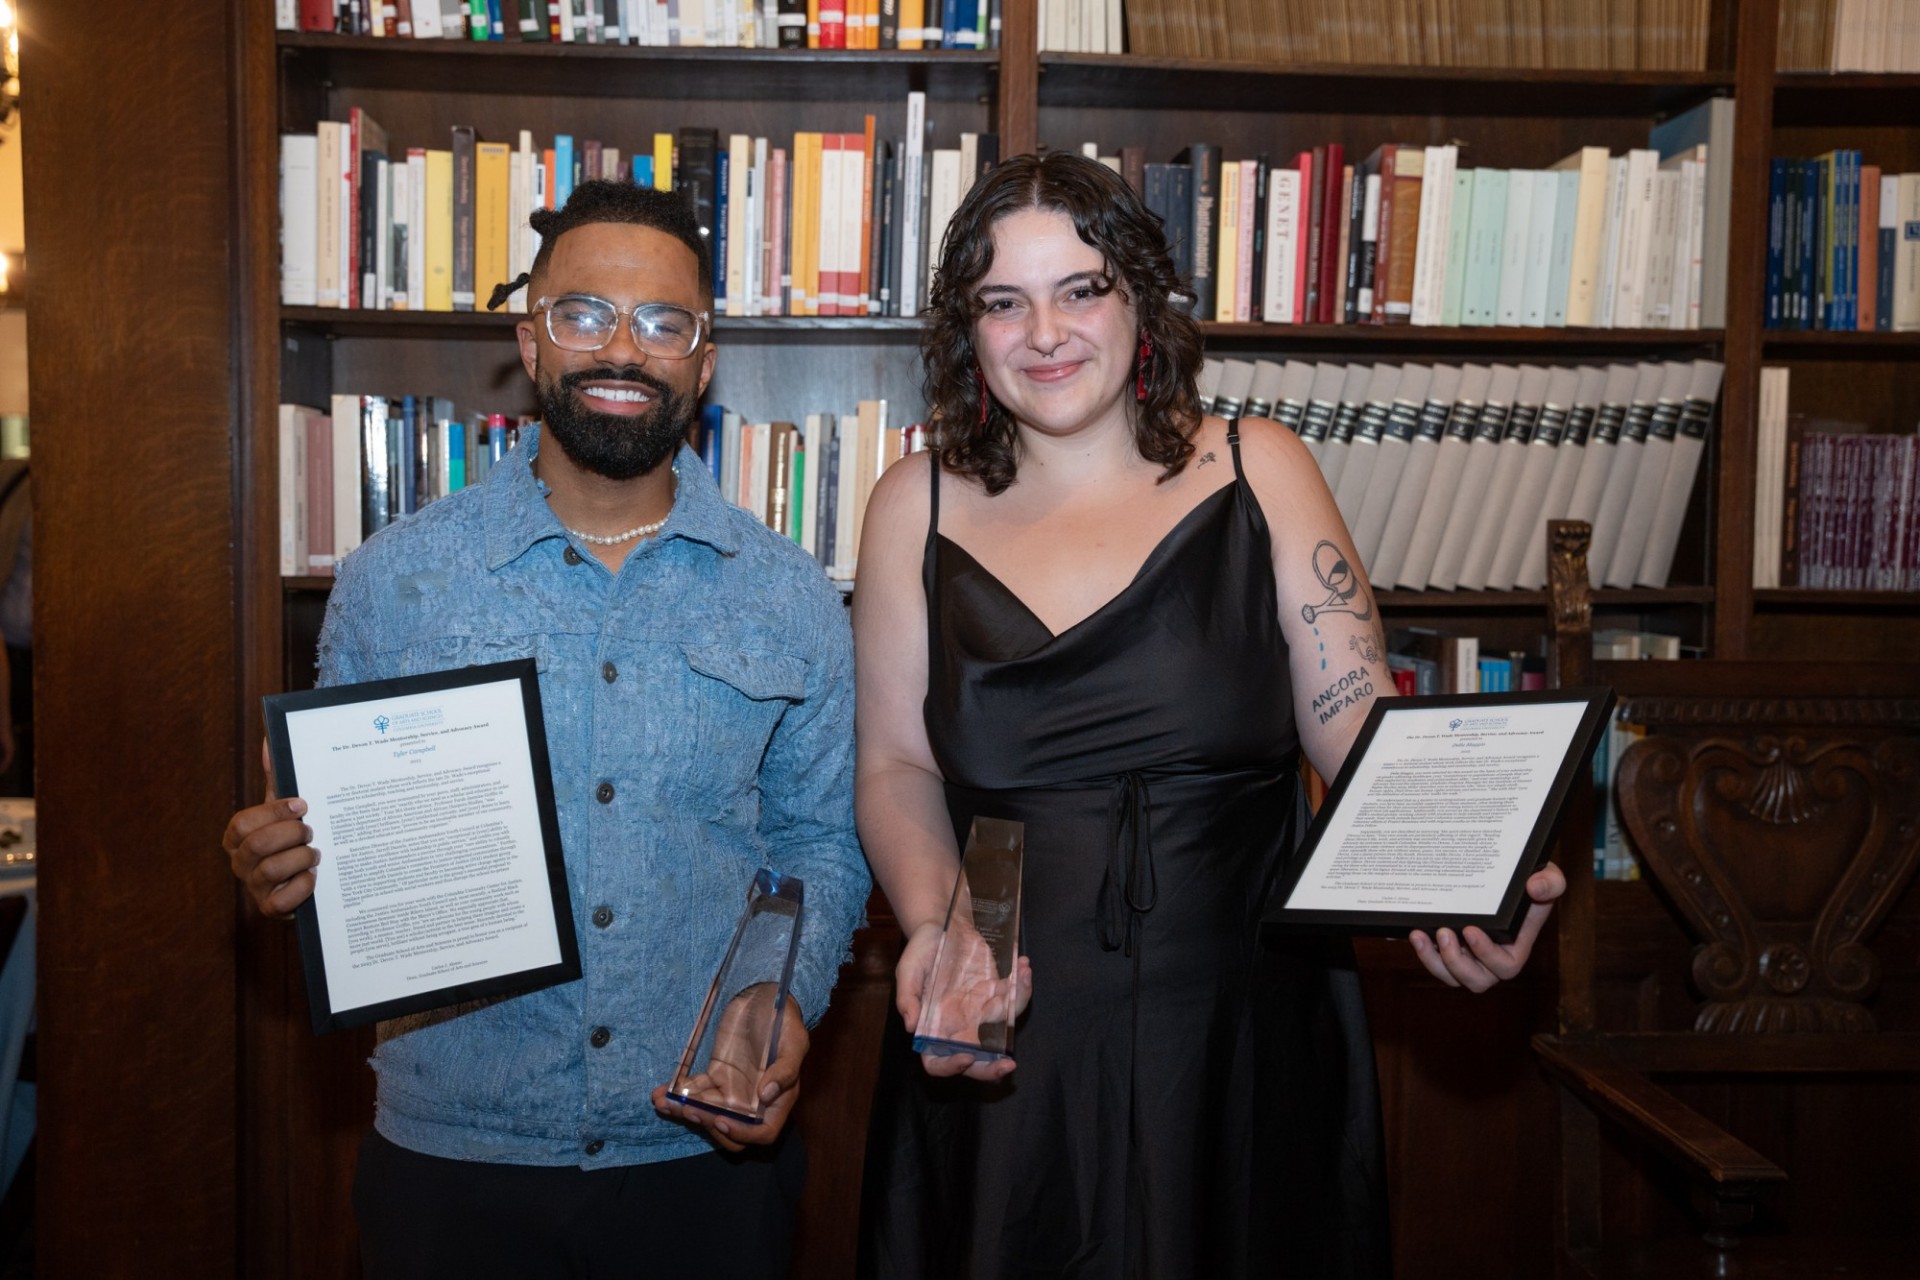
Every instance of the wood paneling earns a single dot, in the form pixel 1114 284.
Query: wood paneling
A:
pixel 130 207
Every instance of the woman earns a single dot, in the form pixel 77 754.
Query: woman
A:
pixel 1083 611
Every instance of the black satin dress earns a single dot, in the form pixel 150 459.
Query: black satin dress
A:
pixel 1188 1102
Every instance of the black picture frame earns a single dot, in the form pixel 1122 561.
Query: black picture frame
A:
pixel 313 958
pixel 1503 923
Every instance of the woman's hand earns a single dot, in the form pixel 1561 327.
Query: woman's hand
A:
pixel 1481 962
pixel 975 993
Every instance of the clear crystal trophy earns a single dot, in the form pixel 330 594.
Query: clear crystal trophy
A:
pixel 969 1002
pixel 737 1035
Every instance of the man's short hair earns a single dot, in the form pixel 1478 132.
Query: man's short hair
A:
pixel 625 203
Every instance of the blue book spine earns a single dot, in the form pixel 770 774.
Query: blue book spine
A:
pixel 1180 231
pixel 562 168
pixel 496 443
pixel 711 417
pixel 722 194
pixel 643 171
pixel 496 24
pixel 408 481
pixel 456 454
pixel 1883 287
pixel 1853 239
pixel 829 516
pixel 1776 241
pixel 1809 239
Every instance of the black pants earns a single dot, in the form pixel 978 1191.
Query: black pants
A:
pixel 710 1215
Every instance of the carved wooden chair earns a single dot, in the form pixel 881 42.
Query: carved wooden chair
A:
pixel 1775 809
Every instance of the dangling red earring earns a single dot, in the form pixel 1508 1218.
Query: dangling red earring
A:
pixel 980 384
pixel 1146 364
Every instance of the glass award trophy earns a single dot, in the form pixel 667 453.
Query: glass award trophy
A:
pixel 968 1005
pixel 737 1035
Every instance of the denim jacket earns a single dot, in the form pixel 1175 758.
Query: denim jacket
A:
pixel 699 716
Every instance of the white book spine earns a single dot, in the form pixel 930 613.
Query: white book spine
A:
pixel 1656 450
pixel 299 158
pixel 1636 241
pixel 1540 228
pixel 909 199
pixel 346 476
pixel 1683 464
pixel 1513 248
pixel 293 492
pixel 1470 493
pixel 1522 390
pixel 417 230
pixel 1429 246
pixel 1283 214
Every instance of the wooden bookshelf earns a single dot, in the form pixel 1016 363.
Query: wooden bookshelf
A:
pixel 249 1124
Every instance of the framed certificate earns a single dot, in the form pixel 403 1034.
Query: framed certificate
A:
pixel 1443 809
pixel 431 803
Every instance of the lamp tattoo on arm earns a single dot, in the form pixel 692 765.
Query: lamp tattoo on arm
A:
pixel 1342 583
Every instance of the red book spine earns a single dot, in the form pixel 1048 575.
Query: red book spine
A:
pixel 1331 310
pixel 316 15
pixel 1300 229
pixel 1313 197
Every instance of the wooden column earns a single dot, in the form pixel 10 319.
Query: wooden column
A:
pixel 130 208
pixel 1756 36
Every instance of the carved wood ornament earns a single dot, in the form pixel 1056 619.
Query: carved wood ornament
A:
pixel 1784 839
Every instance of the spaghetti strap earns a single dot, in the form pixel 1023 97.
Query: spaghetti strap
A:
pixel 1233 440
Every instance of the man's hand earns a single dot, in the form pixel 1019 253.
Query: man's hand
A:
pixel 1481 962
pixel 738 1049
pixel 271 851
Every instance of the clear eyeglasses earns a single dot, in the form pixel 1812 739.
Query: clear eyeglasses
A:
pixel 582 322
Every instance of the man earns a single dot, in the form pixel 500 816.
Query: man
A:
pixel 695 675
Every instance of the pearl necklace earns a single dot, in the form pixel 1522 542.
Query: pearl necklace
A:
pixel 615 539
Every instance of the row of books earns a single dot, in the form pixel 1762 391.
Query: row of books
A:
pixel 1834 503
pixel 1406 236
pixel 1081 26
pixel 1623 35
pixel 1849 35
pixel 371 460
pixel 744 24
pixel 1843 245
pixel 375 459
pixel 1446 475
pixel 809 480
pixel 1426 661
pixel 838 224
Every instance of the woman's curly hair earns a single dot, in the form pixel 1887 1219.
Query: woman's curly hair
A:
pixel 1112 219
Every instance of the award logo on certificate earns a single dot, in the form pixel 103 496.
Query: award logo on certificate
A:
pixel 737 1035
pixel 431 801
pixel 970 995
pixel 1443 809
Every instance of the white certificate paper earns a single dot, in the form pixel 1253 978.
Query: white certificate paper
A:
pixel 431 804
pixel 1442 811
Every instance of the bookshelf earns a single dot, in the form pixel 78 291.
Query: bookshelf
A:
pixel 253 1123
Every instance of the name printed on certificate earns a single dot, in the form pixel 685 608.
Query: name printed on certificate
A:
pixel 434 872
pixel 1440 809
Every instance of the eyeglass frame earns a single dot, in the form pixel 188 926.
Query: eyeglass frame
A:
pixel 702 321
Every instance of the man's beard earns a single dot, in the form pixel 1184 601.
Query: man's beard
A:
pixel 614 445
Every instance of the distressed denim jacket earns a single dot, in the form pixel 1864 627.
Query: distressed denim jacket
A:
pixel 699 717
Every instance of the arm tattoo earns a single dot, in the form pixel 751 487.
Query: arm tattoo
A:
pixel 1366 646
pixel 1350 690
pixel 1342 583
